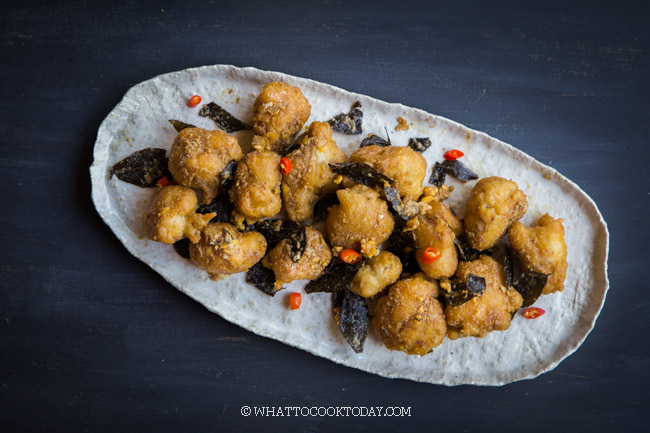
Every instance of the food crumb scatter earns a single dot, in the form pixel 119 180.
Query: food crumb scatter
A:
pixel 402 125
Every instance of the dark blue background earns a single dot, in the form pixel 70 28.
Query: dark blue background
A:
pixel 92 339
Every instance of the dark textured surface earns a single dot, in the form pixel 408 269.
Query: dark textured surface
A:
pixel 92 339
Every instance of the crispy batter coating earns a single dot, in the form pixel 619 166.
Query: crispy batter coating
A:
pixel 494 204
pixel 310 174
pixel 361 221
pixel 442 210
pixel 310 266
pixel 280 111
pixel 541 248
pixel 402 164
pixel 225 250
pixel 376 274
pixel 433 231
pixel 410 318
pixel 256 189
pixel 491 311
pixel 198 157
pixel 172 216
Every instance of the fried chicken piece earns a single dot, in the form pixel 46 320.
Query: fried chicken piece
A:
pixel 256 189
pixel 310 266
pixel 492 311
pixel 443 211
pixel 172 216
pixel 360 221
pixel 541 248
pixel 376 274
pixel 198 157
pixel 224 250
pixel 494 204
pixel 433 231
pixel 410 318
pixel 280 112
pixel 310 175
pixel 402 164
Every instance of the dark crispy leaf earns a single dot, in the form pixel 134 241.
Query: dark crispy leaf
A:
pixel 349 123
pixel 361 173
pixel 222 118
pixel 179 126
pixel 221 205
pixel 353 320
pixel 507 267
pixel 182 247
pixel 262 277
pixel 375 140
pixel 462 292
pixel 143 168
pixel 467 253
pixel 438 175
pixel 530 285
pixel 276 230
pixel 228 175
pixel 402 244
pixel 405 210
pixel 298 243
pixel 324 203
pixel 459 170
pixel 419 144
pixel 336 277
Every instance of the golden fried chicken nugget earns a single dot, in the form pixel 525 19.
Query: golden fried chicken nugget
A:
pixel 541 248
pixel 492 311
pixel 198 157
pixel 433 231
pixel 224 250
pixel 494 204
pixel 443 211
pixel 310 175
pixel 410 318
pixel 172 216
pixel 360 221
pixel 280 112
pixel 376 274
pixel 256 188
pixel 311 265
pixel 402 164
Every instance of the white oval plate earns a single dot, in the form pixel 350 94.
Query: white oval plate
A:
pixel 527 349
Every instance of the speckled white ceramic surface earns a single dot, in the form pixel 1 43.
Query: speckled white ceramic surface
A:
pixel 527 349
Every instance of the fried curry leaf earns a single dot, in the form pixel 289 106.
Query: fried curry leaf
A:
pixel 405 210
pixel 402 244
pixel 353 319
pixel 324 203
pixel 179 126
pixel 420 144
pixel 337 276
pixel 222 118
pixel 376 140
pixel 182 247
pixel 459 170
pixel 507 266
pixel 361 173
pixel 349 123
pixel 467 253
pixel 438 175
pixel 262 277
pixel 530 285
pixel 143 168
pixel 228 174
pixel 221 205
pixel 462 292
pixel 298 243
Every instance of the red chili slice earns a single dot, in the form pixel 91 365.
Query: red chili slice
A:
pixel 450 155
pixel 285 165
pixel 533 312
pixel 194 101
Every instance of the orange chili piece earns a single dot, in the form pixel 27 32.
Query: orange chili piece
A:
pixel 194 101
pixel 350 256
pixel 295 299
pixel 285 165
pixel 533 312
pixel 163 182
pixel 430 255
pixel 450 155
